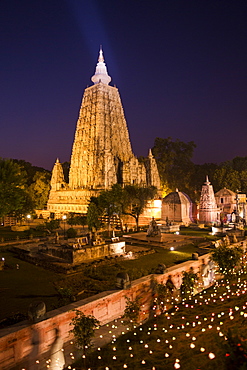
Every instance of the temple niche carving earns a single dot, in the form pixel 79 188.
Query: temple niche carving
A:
pixel 101 153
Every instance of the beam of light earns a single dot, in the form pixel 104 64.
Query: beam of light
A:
pixel 90 21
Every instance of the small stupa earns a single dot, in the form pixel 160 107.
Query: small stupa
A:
pixel 177 207
pixel 208 210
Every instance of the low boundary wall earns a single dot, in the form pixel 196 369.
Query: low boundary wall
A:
pixel 24 340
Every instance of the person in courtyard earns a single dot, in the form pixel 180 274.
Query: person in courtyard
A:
pixel 205 273
pixel 57 354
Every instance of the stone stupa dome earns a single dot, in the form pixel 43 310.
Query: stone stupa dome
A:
pixel 177 197
pixel 225 193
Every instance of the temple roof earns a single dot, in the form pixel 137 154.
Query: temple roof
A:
pixel 101 74
pixel 177 197
pixel 225 193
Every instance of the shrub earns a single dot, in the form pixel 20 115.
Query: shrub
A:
pixel 132 311
pixel 227 258
pixel 71 232
pixel 188 284
pixel 83 330
pixel 160 300
pixel 66 294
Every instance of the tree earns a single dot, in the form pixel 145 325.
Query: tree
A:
pixel 135 199
pixel 232 175
pixel 226 177
pixel 238 164
pixel 161 297
pixel 132 311
pixel 110 203
pixel 14 199
pixel 83 330
pixel 77 219
pixel 188 283
pixel 39 189
pixel 29 170
pixel 227 258
pixel 52 225
pixel 93 215
pixel 174 163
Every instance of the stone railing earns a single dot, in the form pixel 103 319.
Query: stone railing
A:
pixel 17 342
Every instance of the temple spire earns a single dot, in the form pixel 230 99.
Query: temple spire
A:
pixel 101 74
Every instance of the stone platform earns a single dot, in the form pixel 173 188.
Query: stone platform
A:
pixel 162 240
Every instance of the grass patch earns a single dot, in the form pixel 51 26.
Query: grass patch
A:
pixel 6 234
pixel 162 255
pixel 204 233
pixel 20 287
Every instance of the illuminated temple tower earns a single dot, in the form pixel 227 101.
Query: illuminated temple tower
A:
pixel 101 153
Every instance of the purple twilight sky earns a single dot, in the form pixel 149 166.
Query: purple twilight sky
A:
pixel 180 66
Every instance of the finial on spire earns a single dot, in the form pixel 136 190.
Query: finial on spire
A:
pixel 207 180
pixel 101 57
pixel 101 74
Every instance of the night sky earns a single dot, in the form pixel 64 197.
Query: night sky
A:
pixel 180 67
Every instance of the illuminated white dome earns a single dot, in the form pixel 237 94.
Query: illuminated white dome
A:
pixel 101 74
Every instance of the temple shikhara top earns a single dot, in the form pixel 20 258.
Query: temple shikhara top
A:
pixel 102 154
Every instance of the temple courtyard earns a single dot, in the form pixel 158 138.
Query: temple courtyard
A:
pixel 24 282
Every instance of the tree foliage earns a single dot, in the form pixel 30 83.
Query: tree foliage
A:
pixel 130 200
pixel 93 215
pixel 33 181
pixel 188 283
pixel 83 329
pixel 132 311
pixel 110 203
pixel 30 170
pixel 174 160
pixel 162 293
pixel 135 199
pixel 39 189
pixel 227 258
pixel 232 175
pixel 71 233
pixel 52 225
pixel 226 177
pixel 14 199
pixel 174 163
pixel 77 219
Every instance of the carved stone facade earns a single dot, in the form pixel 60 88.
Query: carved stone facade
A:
pixel 226 200
pixel 208 210
pixel 231 204
pixel 101 153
